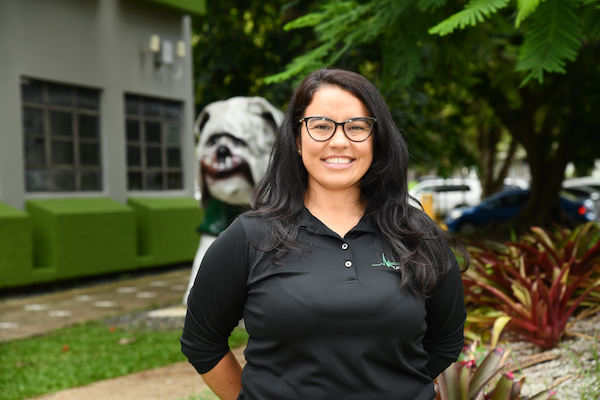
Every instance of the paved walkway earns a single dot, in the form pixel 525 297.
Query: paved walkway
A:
pixel 32 315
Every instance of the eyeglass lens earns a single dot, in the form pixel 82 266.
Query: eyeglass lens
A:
pixel 356 129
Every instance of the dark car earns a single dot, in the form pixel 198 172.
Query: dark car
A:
pixel 503 206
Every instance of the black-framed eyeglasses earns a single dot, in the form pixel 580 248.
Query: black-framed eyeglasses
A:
pixel 322 129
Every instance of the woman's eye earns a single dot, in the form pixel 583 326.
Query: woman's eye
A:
pixel 357 128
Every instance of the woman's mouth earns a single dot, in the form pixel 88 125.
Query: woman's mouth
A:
pixel 338 160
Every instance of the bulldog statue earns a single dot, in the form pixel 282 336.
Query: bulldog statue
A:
pixel 234 141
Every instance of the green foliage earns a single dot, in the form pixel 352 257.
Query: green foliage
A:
pixel 238 43
pixel 538 281
pixel 552 40
pixel 471 379
pixel 526 7
pixel 476 11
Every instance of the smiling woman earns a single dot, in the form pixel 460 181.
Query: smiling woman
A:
pixel 335 164
pixel 346 290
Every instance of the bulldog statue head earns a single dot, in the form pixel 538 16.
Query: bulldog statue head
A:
pixel 234 141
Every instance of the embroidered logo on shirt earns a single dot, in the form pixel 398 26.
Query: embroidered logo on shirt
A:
pixel 386 263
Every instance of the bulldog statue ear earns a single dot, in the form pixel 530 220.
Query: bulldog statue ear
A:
pixel 199 124
pixel 260 106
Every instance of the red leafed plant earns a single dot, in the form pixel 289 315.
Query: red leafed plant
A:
pixel 538 281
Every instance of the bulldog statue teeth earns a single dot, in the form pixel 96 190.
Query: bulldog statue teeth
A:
pixel 235 138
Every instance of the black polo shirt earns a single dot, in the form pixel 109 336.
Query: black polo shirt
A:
pixel 330 323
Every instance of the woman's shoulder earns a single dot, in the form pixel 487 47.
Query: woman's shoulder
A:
pixel 256 225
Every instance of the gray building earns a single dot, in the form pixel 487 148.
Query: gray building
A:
pixel 96 99
pixel 96 116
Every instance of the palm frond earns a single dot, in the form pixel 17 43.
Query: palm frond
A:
pixel 474 12
pixel 526 7
pixel 401 60
pixel 430 5
pixel 552 40
pixel 591 20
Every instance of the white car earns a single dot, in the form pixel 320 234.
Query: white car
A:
pixel 585 187
pixel 456 192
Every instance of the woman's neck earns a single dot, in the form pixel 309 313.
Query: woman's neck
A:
pixel 340 212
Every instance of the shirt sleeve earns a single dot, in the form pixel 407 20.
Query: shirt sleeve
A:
pixel 217 299
pixel 446 314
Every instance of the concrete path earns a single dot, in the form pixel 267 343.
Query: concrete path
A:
pixel 32 315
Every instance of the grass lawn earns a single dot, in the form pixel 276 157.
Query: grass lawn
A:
pixel 83 354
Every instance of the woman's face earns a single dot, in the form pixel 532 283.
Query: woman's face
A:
pixel 339 163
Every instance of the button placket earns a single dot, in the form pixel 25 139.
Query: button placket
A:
pixel 349 263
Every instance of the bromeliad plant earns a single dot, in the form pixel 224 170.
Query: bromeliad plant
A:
pixel 538 281
pixel 470 380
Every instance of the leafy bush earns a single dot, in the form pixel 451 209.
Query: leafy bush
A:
pixel 538 281
pixel 472 380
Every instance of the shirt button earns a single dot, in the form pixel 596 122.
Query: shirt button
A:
pixel 344 246
pixel 348 264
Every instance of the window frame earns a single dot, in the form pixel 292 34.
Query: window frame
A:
pixel 76 139
pixel 162 119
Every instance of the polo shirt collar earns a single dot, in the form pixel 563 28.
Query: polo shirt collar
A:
pixel 314 225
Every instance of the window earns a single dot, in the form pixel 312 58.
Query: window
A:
pixel 153 129
pixel 61 125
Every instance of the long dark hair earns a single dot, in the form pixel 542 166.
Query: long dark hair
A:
pixel 415 241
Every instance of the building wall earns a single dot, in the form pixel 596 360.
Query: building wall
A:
pixel 98 44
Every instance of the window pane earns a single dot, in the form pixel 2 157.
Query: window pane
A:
pixel 35 151
pixel 154 181
pixel 33 121
pixel 134 181
pixel 89 154
pixel 172 134
pixel 151 108
pixel 172 110
pixel 61 123
pixel 62 152
pixel 132 105
pixel 132 128
pixel 173 158
pixel 32 90
pixel 90 181
pixel 35 180
pixel 152 132
pixel 60 95
pixel 153 157
pixel 174 180
pixel 88 99
pixel 62 181
pixel 134 156
pixel 88 126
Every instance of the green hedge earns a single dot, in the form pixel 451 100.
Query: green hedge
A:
pixel 82 237
pixel 67 238
pixel 166 229
pixel 16 248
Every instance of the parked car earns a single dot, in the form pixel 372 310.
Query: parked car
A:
pixel 588 181
pixel 584 188
pixel 456 192
pixel 507 204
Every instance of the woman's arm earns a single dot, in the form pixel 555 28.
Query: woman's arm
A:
pixel 225 379
pixel 446 316
pixel 216 301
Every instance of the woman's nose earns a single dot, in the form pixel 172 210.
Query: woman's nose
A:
pixel 339 137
